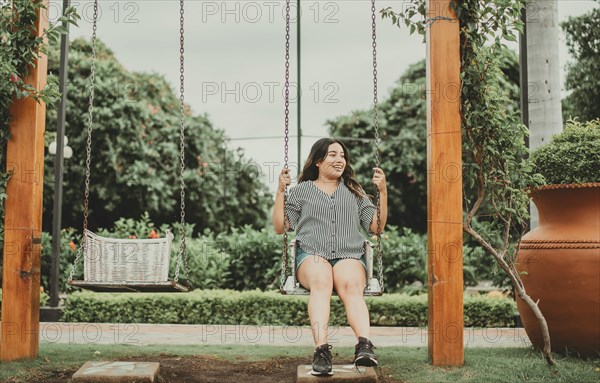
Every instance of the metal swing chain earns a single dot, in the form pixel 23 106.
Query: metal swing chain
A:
pixel 182 254
pixel 88 147
pixel 376 127
pixel 284 265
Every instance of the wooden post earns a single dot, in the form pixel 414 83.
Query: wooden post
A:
pixel 444 187
pixel 23 218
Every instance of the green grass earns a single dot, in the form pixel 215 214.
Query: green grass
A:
pixel 489 365
pixel 407 364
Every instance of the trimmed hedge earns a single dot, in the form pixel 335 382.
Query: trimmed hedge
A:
pixel 267 308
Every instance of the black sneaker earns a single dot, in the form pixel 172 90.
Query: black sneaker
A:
pixel 363 353
pixel 322 361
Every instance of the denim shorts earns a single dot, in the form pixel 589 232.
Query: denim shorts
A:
pixel 302 255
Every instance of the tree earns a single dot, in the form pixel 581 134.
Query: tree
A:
pixel 403 133
pixel 135 153
pixel 403 148
pixel 583 75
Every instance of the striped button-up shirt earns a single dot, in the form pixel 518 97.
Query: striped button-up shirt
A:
pixel 329 225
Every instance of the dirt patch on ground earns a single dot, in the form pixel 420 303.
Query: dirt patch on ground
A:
pixel 211 369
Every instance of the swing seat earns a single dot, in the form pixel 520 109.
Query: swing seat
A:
pixel 293 287
pixel 127 265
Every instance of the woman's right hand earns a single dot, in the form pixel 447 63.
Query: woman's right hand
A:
pixel 284 180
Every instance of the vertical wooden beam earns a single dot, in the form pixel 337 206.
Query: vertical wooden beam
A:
pixel 23 218
pixel 444 187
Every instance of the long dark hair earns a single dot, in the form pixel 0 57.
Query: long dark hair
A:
pixel 318 152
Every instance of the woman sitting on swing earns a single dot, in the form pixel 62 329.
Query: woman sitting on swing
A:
pixel 326 209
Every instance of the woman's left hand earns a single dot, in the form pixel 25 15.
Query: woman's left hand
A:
pixel 379 180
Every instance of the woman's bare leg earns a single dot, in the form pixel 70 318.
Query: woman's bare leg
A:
pixel 315 274
pixel 349 280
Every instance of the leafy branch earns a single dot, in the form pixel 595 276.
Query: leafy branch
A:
pixel 20 47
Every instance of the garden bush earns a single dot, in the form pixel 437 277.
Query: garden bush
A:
pixel 68 251
pixel 209 267
pixel 405 261
pixel 255 257
pixel 572 156
pixel 249 259
pixel 267 308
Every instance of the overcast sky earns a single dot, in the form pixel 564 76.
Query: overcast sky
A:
pixel 235 60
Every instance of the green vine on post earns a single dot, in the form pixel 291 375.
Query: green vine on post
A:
pixel 496 168
pixel 19 49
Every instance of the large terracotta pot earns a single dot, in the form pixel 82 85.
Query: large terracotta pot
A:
pixel 562 261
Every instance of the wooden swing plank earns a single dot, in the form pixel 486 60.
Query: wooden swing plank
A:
pixel 23 216
pixel 292 287
pixel 131 287
pixel 444 187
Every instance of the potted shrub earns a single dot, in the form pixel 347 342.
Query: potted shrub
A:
pixel 560 259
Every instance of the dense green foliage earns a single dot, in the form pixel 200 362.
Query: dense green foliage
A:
pixel 20 47
pixel 259 308
pixel 403 130
pixel 249 259
pixel 583 75
pixel 496 166
pixel 403 148
pixel 254 256
pixel 135 153
pixel 68 239
pixel 572 156
pixel 405 262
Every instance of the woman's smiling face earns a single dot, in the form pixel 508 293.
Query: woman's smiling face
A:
pixel 334 163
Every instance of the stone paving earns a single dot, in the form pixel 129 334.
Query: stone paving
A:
pixel 176 334
pixel 341 374
pixel 117 372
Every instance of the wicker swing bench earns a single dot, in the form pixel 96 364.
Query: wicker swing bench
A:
pixel 127 265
